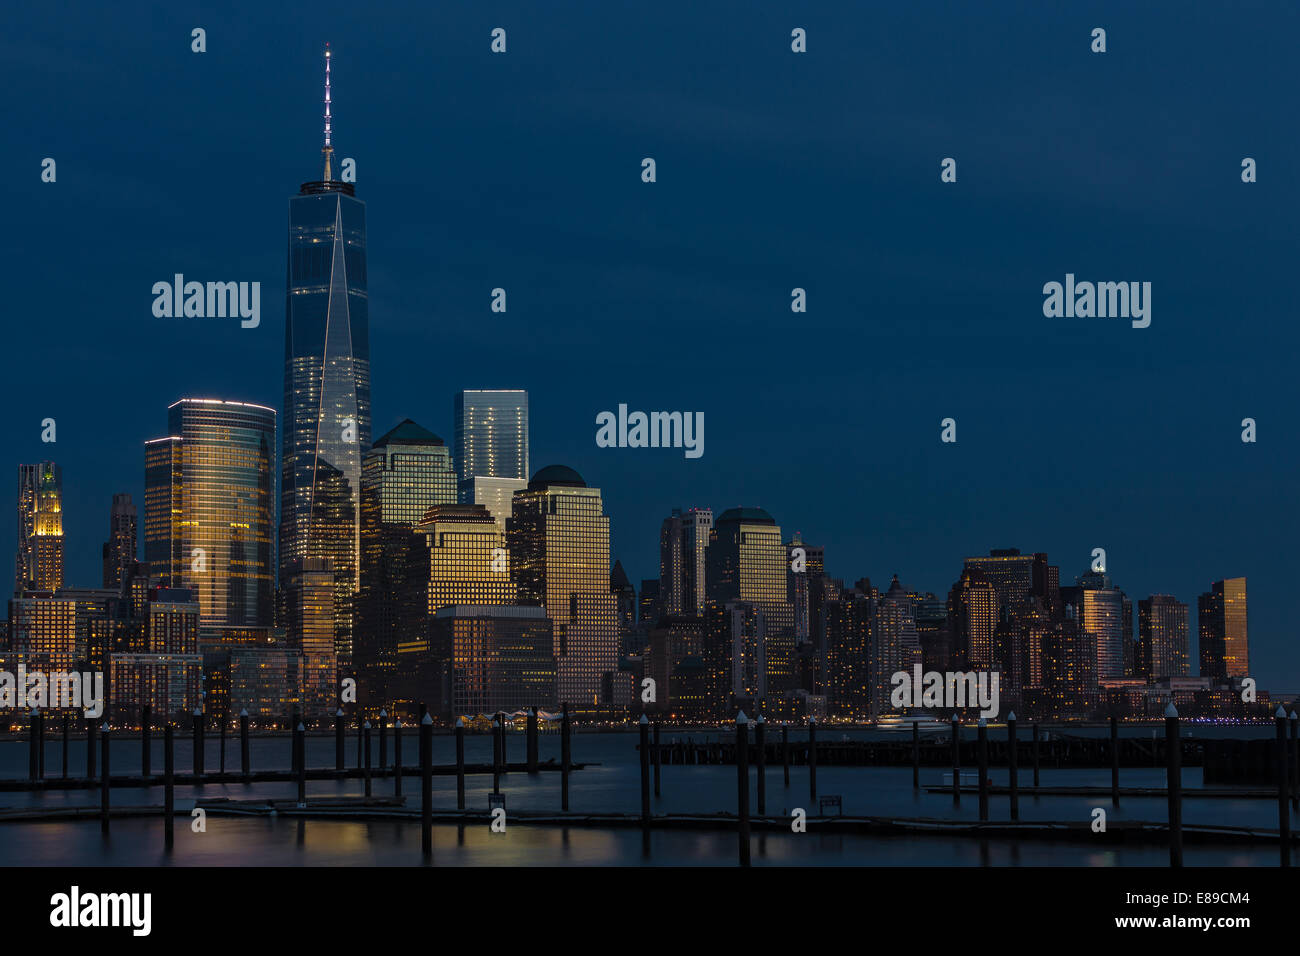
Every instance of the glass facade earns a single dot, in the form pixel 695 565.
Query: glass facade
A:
pixel 326 391
pixel 209 509
pixel 1222 628
pixel 491 437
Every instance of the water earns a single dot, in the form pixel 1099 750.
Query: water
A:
pixel 610 784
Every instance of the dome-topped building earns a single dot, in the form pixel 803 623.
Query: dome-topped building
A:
pixel 556 475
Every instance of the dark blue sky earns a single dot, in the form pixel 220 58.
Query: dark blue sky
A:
pixel 775 170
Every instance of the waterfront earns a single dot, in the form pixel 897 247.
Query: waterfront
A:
pixel 609 783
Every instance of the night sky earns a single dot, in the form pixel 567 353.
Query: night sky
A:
pixel 775 170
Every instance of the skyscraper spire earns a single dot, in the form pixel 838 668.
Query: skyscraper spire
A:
pixel 328 148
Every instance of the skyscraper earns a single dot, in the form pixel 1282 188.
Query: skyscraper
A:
pixel 404 474
pixel 1101 613
pixel 1222 629
pixel 746 561
pixel 558 539
pixel 326 384
pixel 895 645
pixel 491 447
pixel 1162 637
pixel 1010 572
pixel 683 541
pixel 39 562
pixel 209 512
pixel 120 548
pixel 973 608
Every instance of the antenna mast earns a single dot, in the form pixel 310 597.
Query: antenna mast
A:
pixel 328 149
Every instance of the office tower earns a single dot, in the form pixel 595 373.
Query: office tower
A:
pixel 39 563
pixel 209 510
pixel 404 474
pixel 1222 629
pixel 848 652
pixel 1101 613
pixel 120 548
pixel 746 562
pixel 1162 637
pixel 326 385
pixel 894 644
pixel 558 540
pixel 973 609
pixel 491 447
pixel 499 657
pixel 491 434
pixel 310 598
pixel 461 559
pixel 1010 572
pixel 625 607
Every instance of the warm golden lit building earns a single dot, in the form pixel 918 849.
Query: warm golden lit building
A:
pixel 209 521
pixel 39 562
pixel 558 539
pixel 1222 625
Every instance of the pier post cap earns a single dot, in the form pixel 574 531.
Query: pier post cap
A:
pixel 1011 716
pixel 644 719
pixel 741 719
pixel 366 725
pixel 759 719
pixel 954 717
pixel 1171 710
pixel 1293 714
pixel 301 727
pixel 383 712
pixel 812 721
pixel 197 712
pixel 105 727
pixel 35 711
pixel 339 712
pixel 982 723
pixel 460 721
pixel 1281 711
pixel 428 721
pixel 398 723
pixel 243 712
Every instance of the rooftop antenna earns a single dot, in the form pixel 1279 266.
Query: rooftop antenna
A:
pixel 328 149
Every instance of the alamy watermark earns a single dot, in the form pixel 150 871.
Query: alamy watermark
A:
pixel 653 430
pixel 28 689
pixel 1117 300
pixel 948 690
pixel 212 300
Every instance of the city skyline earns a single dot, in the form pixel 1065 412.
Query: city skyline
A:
pixel 1169 543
